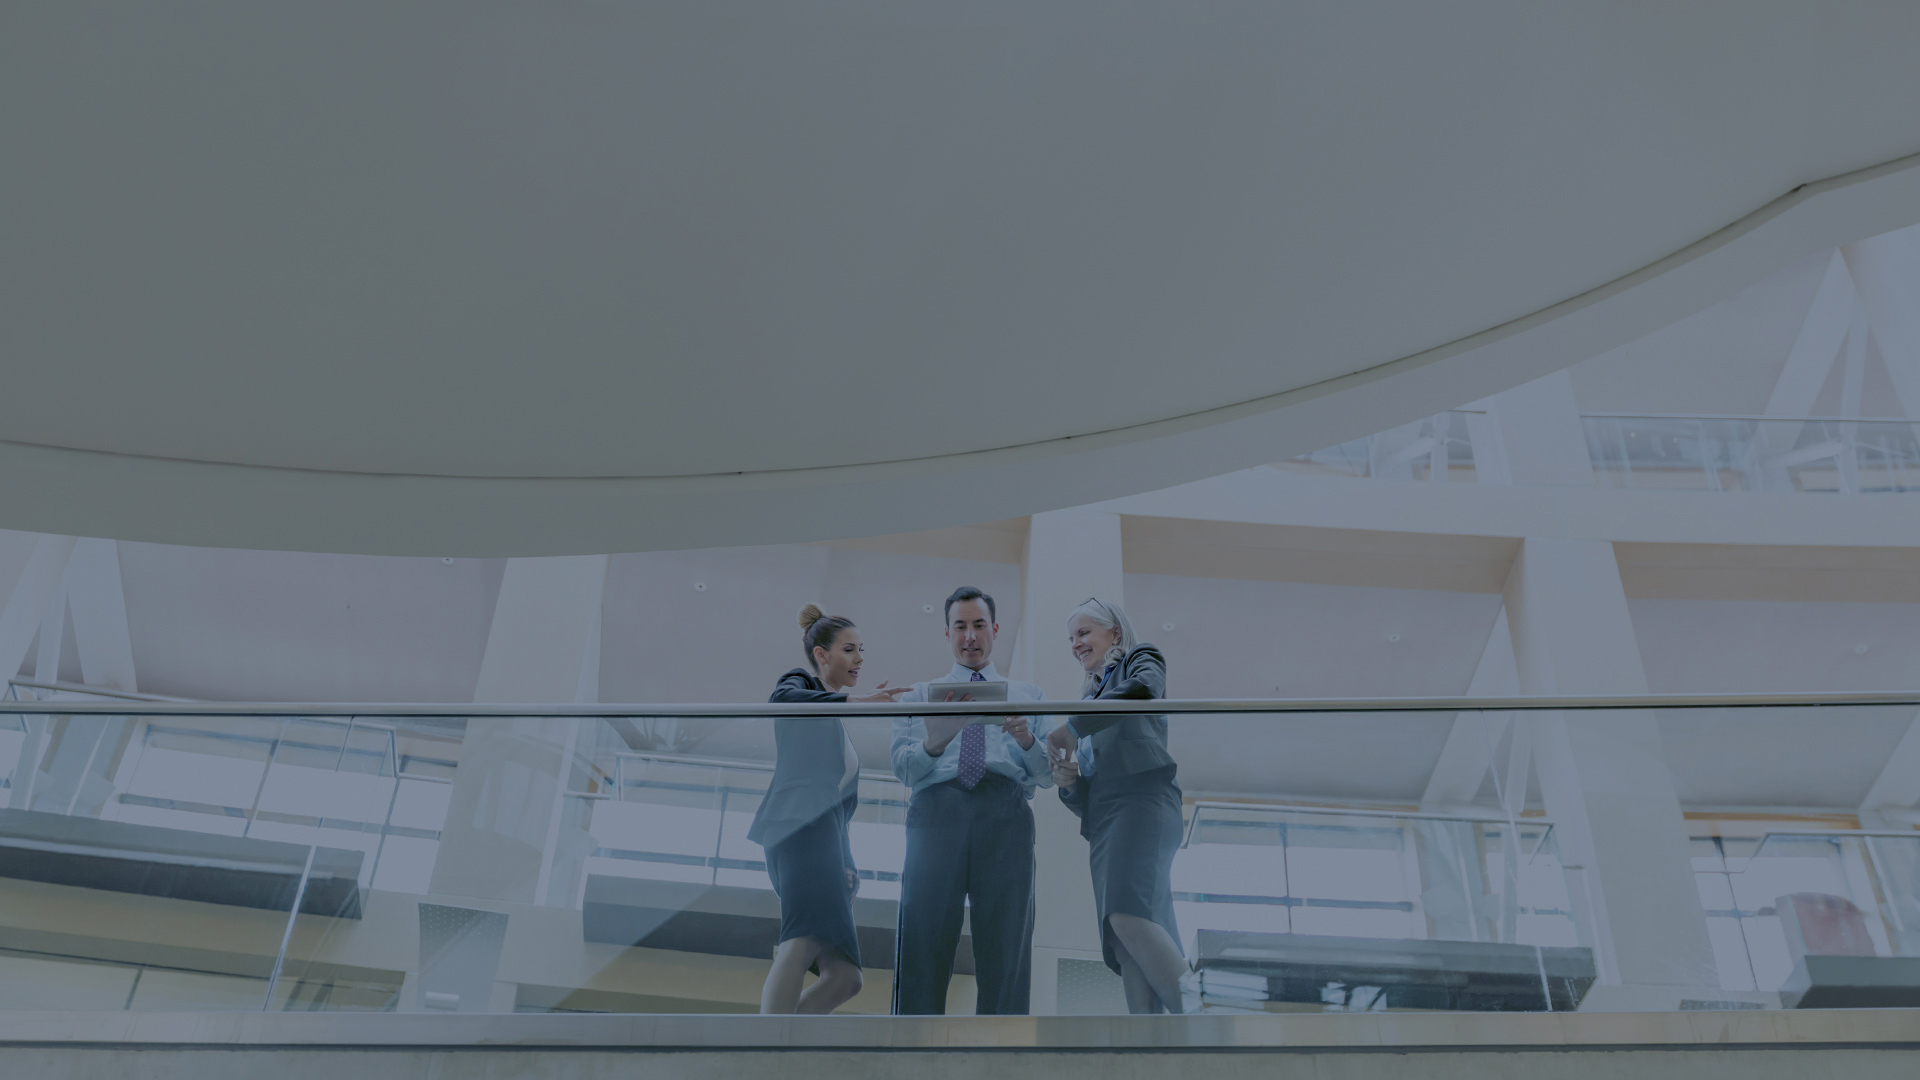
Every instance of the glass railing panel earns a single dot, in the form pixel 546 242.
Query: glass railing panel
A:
pixel 1814 455
pixel 879 836
pixel 1306 874
pixel 1434 449
pixel 1867 881
pixel 664 822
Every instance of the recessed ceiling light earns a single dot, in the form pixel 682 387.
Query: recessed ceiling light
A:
pixel 1859 650
pixel 1393 637
pixel 928 608
pixel 699 586
pixel 1167 626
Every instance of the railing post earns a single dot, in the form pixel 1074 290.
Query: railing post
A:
pixel 393 798
pixel 266 771
pixel 286 936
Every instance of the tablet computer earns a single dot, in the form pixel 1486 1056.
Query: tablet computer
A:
pixel 980 691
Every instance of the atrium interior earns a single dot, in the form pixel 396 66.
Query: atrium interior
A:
pixel 391 592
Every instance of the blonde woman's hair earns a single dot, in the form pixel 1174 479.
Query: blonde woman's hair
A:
pixel 1113 617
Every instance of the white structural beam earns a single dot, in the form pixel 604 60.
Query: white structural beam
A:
pixel 53 635
pixel 1468 752
pixel 1604 776
pixel 1070 555
pixel 1832 318
pixel 1489 445
pixel 1853 373
pixel 1440 457
pixel 1886 272
pixel 97 598
pixel 1535 429
pixel 506 836
pixel 30 594
pixel 1816 344
pixel 1897 787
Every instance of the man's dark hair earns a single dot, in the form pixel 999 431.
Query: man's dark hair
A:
pixel 969 592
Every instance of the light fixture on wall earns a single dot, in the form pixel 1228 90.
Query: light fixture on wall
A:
pixel 446 560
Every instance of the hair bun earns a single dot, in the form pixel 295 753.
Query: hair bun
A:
pixel 809 615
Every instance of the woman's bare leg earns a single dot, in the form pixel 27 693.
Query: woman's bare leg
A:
pixel 781 994
pixel 1154 951
pixel 839 980
pixel 1140 995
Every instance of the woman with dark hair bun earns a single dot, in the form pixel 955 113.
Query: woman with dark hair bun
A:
pixel 803 821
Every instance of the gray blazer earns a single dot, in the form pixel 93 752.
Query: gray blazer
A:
pixel 809 757
pixel 1126 745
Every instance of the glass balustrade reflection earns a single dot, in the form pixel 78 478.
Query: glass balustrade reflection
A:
pixel 155 864
pixel 1310 884
pixel 1436 449
pixel 551 864
pixel 1754 454
pixel 1772 899
pixel 1661 453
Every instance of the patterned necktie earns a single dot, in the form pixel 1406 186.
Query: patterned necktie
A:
pixel 973 749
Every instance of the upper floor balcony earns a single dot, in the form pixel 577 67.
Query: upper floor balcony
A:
pixel 1821 455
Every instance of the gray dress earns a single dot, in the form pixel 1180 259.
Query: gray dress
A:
pixel 1129 809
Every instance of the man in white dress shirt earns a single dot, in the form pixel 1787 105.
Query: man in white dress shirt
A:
pixel 969 832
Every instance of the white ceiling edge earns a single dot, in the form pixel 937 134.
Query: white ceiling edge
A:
pixel 91 493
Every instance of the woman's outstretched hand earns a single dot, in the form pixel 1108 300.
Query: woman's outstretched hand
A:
pixel 880 693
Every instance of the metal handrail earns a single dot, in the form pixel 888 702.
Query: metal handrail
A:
pixel 729 763
pixel 704 710
pixel 1814 834
pixel 96 691
pixel 1738 416
pixel 1334 811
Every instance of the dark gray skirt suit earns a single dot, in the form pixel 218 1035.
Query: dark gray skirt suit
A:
pixel 803 820
pixel 1129 809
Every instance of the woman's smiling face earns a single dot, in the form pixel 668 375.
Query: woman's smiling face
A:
pixel 1090 641
pixel 839 663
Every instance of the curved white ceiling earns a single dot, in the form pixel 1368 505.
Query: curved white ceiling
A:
pixel 488 278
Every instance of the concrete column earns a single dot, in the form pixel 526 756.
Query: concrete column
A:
pixel 506 831
pixel 1530 434
pixel 1071 555
pixel 1604 776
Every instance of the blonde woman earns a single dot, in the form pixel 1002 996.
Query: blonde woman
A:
pixel 1114 772
pixel 803 821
